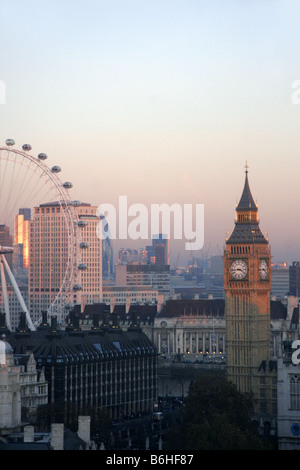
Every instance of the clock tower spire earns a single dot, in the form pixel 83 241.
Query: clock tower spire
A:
pixel 247 287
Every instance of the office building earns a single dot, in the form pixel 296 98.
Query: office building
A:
pixel 294 279
pixel 103 368
pixel 130 295
pixel 128 255
pixel 280 280
pixel 48 254
pixel 156 276
pixel 158 252
pixel 21 243
pixel 107 252
pixel 6 239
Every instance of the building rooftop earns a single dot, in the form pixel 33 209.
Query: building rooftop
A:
pixel 50 345
pixel 211 307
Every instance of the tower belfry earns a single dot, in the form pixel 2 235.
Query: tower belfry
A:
pixel 247 286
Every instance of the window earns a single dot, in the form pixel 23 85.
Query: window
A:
pixel 295 392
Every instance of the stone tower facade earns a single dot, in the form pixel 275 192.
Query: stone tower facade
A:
pixel 10 394
pixel 247 285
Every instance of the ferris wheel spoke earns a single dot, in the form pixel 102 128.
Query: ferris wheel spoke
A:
pixel 2 180
pixel 32 195
pixel 10 193
pixel 16 185
pixel 40 199
pixel 10 186
pixel 22 185
pixel 25 184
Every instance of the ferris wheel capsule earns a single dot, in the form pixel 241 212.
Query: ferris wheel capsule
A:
pixel 56 169
pixel 82 223
pixel 10 142
pixel 82 266
pixel 42 156
pixel 67 185
pixel 84 245
pixel 26 147
pixel 76 203
pixel 68 306
pixel 77 287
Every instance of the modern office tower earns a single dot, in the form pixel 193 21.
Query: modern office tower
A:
pixel 158 277
pixel 150 254
pixel 6 240
pixel 280 280
pixel 247 286
pixel 294 279
pixel 161 249
pixel 158 252
pixel 21 239
pixel 48 249
pixel 130 295
pixel 128 255
pixel 26 212
pixel 107 252
pixel 160 255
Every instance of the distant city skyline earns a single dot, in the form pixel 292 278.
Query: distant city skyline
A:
pixel 163 102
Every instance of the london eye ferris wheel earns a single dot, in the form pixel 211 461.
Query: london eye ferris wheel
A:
pixel 26 181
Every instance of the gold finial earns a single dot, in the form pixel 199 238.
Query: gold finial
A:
pixel 246 166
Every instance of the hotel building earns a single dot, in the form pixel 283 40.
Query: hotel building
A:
pixel 48 255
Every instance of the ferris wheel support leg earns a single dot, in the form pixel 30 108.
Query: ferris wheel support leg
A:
pixel 18 293
pixel 5 294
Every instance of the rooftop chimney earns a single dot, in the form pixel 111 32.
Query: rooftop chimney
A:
pixel 57 436
pixel 84 427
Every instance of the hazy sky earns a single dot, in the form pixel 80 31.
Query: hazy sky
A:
pixel 162 101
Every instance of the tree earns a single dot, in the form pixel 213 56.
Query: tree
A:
pixel 216 417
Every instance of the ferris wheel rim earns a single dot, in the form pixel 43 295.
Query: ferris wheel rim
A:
pixel 70 216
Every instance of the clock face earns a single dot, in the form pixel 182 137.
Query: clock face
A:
pixel 238 269
pixel 263 269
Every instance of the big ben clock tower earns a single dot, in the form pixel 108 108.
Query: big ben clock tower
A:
pixel 247 286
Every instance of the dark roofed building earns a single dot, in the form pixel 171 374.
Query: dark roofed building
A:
pixel 25 446
pixel 145 314
pixel 211 307
pixel 194 307
pixel 295 319
pixel 278 310
pixel 122 315
pixel 105 367
pixel 294 279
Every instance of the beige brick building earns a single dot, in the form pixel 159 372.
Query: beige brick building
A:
pixel 48 255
